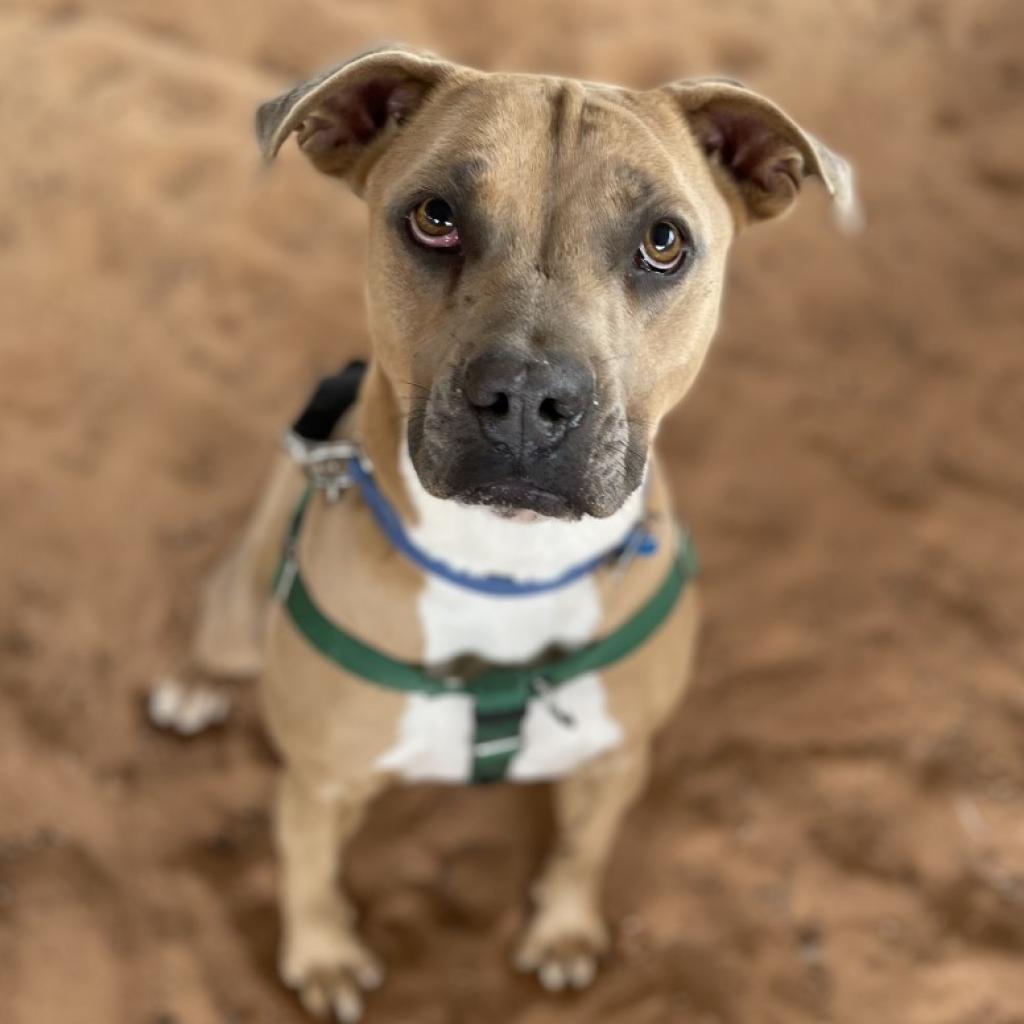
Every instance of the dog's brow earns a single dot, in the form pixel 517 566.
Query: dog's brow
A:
pixel 465 174
pixel 460 177
pixel 636 187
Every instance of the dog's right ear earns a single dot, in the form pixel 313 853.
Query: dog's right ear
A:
pixel 758 153
pixel 345 117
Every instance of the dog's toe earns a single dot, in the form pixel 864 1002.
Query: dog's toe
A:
pixel 314 1000
pixel 187 709
pixel 552 976
pixel 561 963
pixel 558 972
pixel 338 995
pixel 335 993
pixel 581 971
pixel 348 1005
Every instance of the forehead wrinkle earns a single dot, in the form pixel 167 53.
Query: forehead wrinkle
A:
pixel 672 187
pixel 495 126
pixel 567 104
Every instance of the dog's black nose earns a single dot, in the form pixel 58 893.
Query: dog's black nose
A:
pixel 528 403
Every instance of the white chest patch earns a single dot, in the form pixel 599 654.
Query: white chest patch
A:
pixel 436 733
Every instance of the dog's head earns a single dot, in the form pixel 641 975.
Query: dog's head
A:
pixel 546 256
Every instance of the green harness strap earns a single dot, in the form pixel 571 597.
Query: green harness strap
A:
pixel 500 695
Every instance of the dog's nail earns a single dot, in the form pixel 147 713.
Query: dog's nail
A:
pixel 552 976
pixel 164 701
pixel 348 1007
pixel 582 971
pixel 200 710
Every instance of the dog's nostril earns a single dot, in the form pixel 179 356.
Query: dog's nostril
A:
pixel 549 411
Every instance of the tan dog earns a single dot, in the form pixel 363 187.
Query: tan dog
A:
pixel 546 258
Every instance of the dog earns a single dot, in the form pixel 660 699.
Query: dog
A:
pixel 482 578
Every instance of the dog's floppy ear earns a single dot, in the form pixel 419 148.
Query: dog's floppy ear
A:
pixel 759 153
pixel 346 116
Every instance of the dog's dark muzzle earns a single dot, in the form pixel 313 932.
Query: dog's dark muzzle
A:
pixel 525 431
pixel 527 423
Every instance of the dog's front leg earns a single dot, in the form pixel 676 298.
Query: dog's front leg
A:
pixel 567 932
pixel 322 957
pixel 228 640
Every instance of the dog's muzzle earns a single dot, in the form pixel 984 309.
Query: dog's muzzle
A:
pixel 526 412
pixel 524 432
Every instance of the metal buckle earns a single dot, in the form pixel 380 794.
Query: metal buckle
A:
pixel 325 463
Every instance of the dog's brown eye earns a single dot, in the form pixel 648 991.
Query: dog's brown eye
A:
pixel 432 224
pixel 663 247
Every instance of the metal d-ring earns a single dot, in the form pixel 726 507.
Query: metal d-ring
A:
pixel 325 463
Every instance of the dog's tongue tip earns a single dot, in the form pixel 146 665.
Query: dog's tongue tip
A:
pixel 525 515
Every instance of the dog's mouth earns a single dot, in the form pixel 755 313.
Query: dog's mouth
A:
pixel 519 499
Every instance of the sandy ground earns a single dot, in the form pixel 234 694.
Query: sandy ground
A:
pixel 835 834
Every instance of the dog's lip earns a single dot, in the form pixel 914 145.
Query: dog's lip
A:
pixel 509 497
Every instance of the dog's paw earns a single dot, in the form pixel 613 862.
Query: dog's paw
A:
pixel 333 992
pixel 563 947
pixel 186 708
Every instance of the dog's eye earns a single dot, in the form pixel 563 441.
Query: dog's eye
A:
pixel 663 248
pixel 432 224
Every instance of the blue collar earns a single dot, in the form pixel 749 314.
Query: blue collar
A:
pixel 638 541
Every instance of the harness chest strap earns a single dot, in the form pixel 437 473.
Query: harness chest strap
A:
pixel 500 695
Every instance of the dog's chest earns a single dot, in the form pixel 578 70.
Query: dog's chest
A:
pixel 436 732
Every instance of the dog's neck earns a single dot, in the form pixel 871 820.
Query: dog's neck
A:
pixel 472 538
pixel 477 540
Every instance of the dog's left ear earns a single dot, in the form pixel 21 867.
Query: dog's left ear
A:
pixel 758 153
pixel 346 116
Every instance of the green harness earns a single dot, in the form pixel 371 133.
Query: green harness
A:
pixel 500 695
